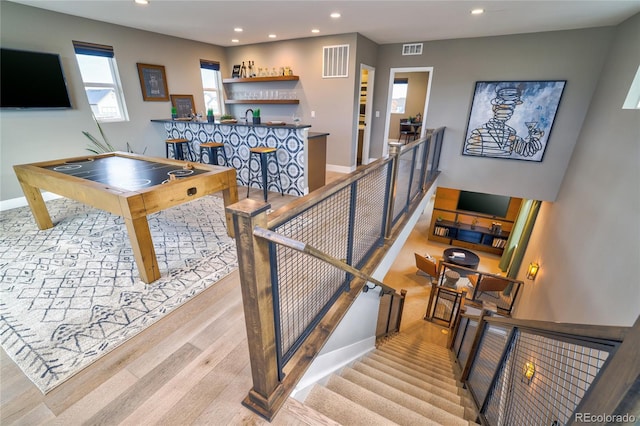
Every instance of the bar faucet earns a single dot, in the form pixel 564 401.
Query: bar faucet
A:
pixel 246 120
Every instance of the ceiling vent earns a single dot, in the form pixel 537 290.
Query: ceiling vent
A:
pixel 412 49
pixel 335 61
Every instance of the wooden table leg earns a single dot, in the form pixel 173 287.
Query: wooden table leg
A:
pixel 142 246
pixel 37 205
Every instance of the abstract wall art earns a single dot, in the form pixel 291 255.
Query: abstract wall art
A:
pixel 512 119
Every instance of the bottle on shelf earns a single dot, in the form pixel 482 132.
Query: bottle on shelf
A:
pixel 243 71
pixel 250 74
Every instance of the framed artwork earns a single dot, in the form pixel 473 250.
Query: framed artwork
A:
pixel 512 119
pixel 153 82
pixel 235 72
pixel 184 104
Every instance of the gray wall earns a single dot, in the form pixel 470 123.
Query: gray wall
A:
pixel 576 56
pixel 28 136
pixel 588 241
pixel 330 98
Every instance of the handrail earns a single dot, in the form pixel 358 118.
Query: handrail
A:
pixel 588 331
pixel 272 276
pixel 291 243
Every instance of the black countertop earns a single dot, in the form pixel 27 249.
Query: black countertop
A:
pixel 265 124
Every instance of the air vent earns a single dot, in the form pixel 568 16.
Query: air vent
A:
pixel 335 61
pixel 412 49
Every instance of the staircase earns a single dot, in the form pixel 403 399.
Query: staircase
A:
pixel 404 381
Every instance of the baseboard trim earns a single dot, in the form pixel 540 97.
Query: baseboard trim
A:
pixel 340 169
pixel 326 364
pixel 14 203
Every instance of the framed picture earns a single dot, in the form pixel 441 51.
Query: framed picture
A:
pixel 512 119
pixel 184 104
pixel 236 71
pixel 153 82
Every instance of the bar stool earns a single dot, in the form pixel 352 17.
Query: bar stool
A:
pixel 262 154
pixel 178 152
pixel 212 149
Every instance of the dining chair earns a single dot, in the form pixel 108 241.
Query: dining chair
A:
pixel 406 130
pixel 427 267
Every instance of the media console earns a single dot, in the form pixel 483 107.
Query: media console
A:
pixel 475 231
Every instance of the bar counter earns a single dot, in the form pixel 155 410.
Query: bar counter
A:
pixel 293 143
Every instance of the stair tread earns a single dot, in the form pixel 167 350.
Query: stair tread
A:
pixel 448 383
pixel 341 409
pixel 417 349
pixel 418 400
pixel 426 366
pixel 388 375
pixel 376 403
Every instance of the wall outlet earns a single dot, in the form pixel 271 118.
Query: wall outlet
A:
pixel 377 114
pixel 313 114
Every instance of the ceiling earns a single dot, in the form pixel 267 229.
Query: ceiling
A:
pixel 383 22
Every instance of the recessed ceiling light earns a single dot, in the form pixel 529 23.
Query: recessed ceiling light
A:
pixel 477 11
pixel 142 1
pixel 335 15
pixel 235 40
pixel 272 36
pixel 237 29
pixel 315 30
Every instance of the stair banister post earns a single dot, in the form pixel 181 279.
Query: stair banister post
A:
pixel 257 299
pixel 394 152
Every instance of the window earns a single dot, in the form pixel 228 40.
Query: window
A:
pixel 399 95
pixel 211 83
pixel 632 100
pixel 101 81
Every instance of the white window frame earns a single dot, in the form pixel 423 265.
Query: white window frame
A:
pixel 116 86
pixel 218 90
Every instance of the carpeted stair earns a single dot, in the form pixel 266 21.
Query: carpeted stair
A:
pixel 404 381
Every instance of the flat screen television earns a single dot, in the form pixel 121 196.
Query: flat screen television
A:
pixel 32 80
pixel 489 204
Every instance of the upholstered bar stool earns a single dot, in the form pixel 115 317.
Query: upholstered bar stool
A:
pixel 262 154
pixel 212 149
pixel 178 148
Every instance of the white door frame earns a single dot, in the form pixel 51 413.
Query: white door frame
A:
pixel 392 74
pixel 366 139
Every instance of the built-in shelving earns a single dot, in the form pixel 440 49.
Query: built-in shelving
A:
pixel 470 230
pixel 255 101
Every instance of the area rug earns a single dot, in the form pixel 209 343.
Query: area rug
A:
pixel 71 294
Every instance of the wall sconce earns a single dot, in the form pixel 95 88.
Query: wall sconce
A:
pixel 528 371
pixel 532 271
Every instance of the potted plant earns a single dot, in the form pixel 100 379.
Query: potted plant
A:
pixel 256 116
pixel 474 223
pixel 174 113
pixel 210 115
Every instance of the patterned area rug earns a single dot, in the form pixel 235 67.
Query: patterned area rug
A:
pixel 70 294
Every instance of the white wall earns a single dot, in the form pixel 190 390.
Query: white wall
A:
pixel 576 56
pixel 588 241
pixel 29 136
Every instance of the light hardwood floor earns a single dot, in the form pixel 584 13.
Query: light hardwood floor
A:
pixel 191 367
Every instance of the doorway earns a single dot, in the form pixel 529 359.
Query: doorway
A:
pixel 367 74
pixel 412 90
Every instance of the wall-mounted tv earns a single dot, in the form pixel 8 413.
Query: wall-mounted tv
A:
pixel 489 204
pixel 32 80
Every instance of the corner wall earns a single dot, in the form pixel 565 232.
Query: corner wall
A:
pixel 588 241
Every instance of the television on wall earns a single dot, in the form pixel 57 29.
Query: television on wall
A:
pixel 488 204
pixel 32 80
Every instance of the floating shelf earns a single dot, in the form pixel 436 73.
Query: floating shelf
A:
pixel 261 79
pixel 262 101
